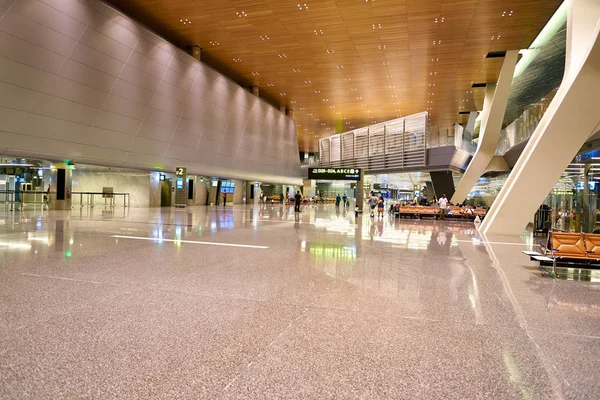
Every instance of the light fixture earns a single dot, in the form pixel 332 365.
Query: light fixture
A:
pixel 282 55
pixel 282 94
pixel 317 91
pixel 214 43
pixel 264 37
pixel 255 73
pixel 318 32
pixel 270 85
pixel 330 51
pixel 376 26
pixel 185 21
pixel 303 6
pixel 339 66
pixel 308 82
pixel 295 70
pixel 237 60
pixel 241 14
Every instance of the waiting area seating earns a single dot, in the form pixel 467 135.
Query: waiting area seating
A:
pixel 453 212
pixel 568 249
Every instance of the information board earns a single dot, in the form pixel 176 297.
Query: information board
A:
pixel 181 195
pixel 334 174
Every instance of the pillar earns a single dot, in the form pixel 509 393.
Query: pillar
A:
pixel 254 90
pixel 196 52
pixel 202 189
pixel 494 107
pixel 360 192
pixel 238 192
pixel 571 118
pixel 471 122
pixel 308 187
pixel 290 113
pixel 60 187
pixel 282 108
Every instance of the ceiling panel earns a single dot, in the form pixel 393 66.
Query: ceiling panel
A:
pixel 350 62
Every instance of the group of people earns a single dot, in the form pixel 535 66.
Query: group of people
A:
pixel 297 200
pixel 375 201
pixel 339 199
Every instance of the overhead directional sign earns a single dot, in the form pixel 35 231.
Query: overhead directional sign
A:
pixel 341 174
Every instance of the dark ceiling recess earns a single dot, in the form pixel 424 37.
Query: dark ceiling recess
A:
pixel 476 85
pixel 496 54
pixel 464 112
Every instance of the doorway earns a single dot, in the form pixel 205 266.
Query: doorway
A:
pixel 165 193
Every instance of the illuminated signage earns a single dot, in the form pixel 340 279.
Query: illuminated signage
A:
pixel 341 174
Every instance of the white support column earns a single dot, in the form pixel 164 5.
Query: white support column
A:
pixel 494 107
pixel 573 115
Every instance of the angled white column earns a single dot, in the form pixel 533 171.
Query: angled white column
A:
pixel 573 115
pixel 494 107
pixel 471 123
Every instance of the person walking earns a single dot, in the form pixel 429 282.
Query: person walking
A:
pixel 261 198
pixel 380 206
pixel 281 198
pixel 345 200
pixel 338 199
pixel 373 200
pixel 224 199
pixel 297 201
pixel 443 202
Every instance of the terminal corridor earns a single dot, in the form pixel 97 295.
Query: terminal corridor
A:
pixel 260 302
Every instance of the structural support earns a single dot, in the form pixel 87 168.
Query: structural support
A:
pixel 572 116
pixel 254 90
pixel 196 52
pixel 494 107
pixel 470 127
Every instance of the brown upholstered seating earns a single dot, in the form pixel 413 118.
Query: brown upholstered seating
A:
pixel 568 245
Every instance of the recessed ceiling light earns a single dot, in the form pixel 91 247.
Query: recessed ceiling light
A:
pixel 302 108
pixel 241 14
pixel 317 91
pixel 295 70
pixel 255 73
pixel 282 94
pixel 339 66
pixel 348 79
pixel 293 102
pixel 318 32
pixel 308 82
pixel 326 100
pixel 270 85
pixel 264 37
pixel 303 6
pixel 185 21
pixel 382 47
pixel 237 60
pixel 376 26
pixel 330 51
pixel 214 43
pixel 282 55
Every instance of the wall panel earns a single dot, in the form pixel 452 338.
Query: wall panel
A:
pixel 79 80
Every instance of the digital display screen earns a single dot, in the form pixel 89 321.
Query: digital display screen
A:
pixel 215 183
pixel 344 174
pixel 179 183
pixel 227 187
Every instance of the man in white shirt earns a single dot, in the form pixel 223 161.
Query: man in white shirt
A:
pixel 443 202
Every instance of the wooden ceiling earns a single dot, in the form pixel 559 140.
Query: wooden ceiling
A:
pixel 348 63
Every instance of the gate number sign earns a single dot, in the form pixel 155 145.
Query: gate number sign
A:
pixel 345 174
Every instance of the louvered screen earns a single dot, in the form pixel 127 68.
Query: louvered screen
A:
pixel 397 144
pixel 335 152
pixel 324 151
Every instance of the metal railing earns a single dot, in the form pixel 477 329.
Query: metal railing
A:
pixel 109 198
pixel 38 197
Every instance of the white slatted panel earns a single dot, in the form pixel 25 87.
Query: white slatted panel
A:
pixel 394 145
pixel 376 140
pixel 393 136
pixel 414 140
pixel 348 146
pixel 324 151
pixel 335 152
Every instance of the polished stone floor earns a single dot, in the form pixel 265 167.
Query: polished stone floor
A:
pixel 258 303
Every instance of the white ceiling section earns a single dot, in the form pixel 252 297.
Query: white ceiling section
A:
pixel 81 81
